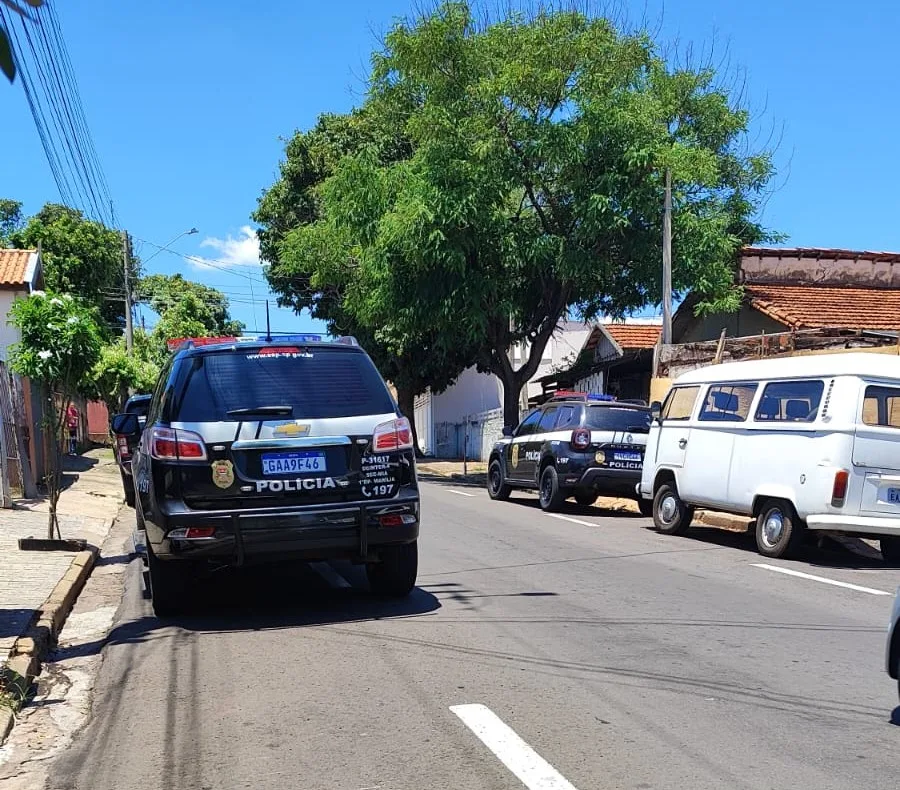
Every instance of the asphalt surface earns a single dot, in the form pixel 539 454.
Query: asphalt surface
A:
pixel 552 653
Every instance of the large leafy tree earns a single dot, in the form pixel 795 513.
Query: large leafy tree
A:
pixel 533 185
pixel 163 292
pixel 311 263
pixel 81 257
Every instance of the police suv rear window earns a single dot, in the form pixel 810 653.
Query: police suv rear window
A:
pixel 617 418
pixel 318 383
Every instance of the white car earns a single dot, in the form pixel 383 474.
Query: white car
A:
pixel 892 652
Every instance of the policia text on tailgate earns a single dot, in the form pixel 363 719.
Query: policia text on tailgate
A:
pixel 577 445
pixel 256 451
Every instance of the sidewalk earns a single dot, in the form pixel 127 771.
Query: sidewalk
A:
pixel 477 475
pixel 35 585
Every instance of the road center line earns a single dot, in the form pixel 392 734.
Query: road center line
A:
pixel 833 582
pixel 330 575
pixel 573 520
pixel 459 493
pixel 525 763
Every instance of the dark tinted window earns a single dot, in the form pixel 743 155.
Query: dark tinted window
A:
pixel 527 426
pixel 616 418
pixel 790 401
pixel 569 417
pixel 318 383
pixel 548 420
pixel 139 407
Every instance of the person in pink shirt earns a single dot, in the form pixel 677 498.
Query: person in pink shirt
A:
pixel 72 423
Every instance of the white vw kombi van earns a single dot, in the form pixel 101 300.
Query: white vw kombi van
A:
pixel 799 443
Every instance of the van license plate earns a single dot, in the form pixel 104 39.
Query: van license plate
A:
pixel 293 463
pixel 627 457
pixel 893 496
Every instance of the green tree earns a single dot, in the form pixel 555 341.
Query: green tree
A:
pixel 81 257
pixel 412 361
pixel 119 372
pixel 10 219
pixel 59 348
pixel 534 185
pixel 162 292
pixel 189 317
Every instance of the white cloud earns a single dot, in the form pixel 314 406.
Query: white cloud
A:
pixel 230 251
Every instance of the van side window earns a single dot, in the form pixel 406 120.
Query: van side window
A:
pixel 881 406
pixel 790 401
pixel 728 402
pixel 679 403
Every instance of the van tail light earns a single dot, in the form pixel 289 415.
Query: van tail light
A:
pixel 392 435
pixel 170 444
pixel 839 491
pixel 581 438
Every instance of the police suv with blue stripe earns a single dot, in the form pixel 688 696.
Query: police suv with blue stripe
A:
pixel 262 449
pixel 576 445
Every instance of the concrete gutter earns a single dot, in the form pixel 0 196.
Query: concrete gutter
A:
pixel 29 650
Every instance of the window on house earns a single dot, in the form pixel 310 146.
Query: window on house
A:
pixel 727 402
pixel 790 401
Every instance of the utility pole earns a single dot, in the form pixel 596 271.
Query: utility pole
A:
pixel 129 328
pixel 667 263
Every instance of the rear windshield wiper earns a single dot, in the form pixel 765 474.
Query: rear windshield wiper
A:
pixel 262 411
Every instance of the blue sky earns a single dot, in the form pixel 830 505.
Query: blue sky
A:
pixel 188 102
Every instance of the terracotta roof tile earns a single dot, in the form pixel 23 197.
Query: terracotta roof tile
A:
pixel 817 306
pixel 632 336
pixel 13 267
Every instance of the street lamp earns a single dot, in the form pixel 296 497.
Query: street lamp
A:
pixel 190 232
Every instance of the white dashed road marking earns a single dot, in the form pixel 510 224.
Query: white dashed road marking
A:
pixel 573 520
pixel 822 579
pixel 526 764
pixel 459 493
pixel 330 575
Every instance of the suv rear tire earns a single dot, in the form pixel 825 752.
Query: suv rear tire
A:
pixel 395 575
pixel 497 488
pixel 169 585
pixel 779 531
pixel 550 495
pixel 890 550
pixel 128 488
pixel 671 515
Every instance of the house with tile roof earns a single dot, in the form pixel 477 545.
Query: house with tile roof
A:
pixel 20 274
pixel 803 288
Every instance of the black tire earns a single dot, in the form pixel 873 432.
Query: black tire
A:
pixel 550 494
pixel 128 488
pixel 395 575
pixel 169 585
pixel 890 550
pixel 671 516
pixel 779 531
pixel 645 507
pixel 585 498
pixel 497 488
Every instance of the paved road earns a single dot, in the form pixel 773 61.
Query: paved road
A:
pixel 586 653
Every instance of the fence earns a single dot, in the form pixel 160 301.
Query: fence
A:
pixel 16 474
pixel 472 438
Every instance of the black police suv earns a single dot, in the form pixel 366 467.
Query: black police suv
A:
pixel 123 447
pixel 261 450
pixel 576 445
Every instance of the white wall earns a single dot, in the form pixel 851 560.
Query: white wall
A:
pixel 8 334
pixel 472 394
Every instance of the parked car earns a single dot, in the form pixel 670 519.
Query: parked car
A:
pixel 892 653
pixel 576 445
pixel 800 443
pixel 264 451
pixel 123 446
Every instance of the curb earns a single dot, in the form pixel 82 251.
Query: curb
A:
pixel 24 662
pixel 722 521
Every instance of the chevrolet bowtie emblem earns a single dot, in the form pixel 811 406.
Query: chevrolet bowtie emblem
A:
pixel 291 430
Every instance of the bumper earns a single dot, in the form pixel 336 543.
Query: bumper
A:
pixel 612 481
pixel 317 532
pixel 865 525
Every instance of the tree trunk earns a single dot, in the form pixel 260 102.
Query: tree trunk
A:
pixel 406 400
pixel 512 388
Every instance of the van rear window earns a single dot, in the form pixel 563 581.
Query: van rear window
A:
pixel 881 407
pixel 790 401
pixel 319 384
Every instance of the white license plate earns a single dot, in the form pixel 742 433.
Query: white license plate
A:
pixel 293 463
pixel 627 457
pixel 893 496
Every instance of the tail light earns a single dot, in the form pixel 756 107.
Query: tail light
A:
pixel 169 444
pixel 192 533
pixel 393 435
pixel 839 490
pixel 581 439
pixel 122 443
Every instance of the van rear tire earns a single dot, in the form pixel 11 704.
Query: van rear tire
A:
pixel 890 550
pixel 779 531
pixel 671 515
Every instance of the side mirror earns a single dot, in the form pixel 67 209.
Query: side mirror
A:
pixel 126 424
pixel 655 410
pixel 508 430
